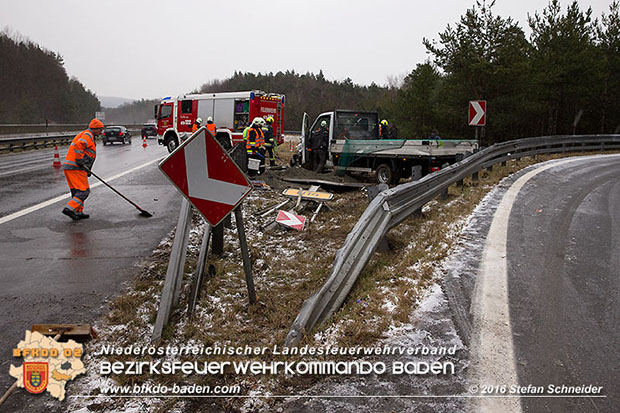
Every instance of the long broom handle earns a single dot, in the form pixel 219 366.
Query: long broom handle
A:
pixel 108 185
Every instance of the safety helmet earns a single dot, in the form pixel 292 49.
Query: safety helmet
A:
pixel 257 121
pixel 210 119
pixel 199 120
pixel 384 122
pixel 269 119
pixel 323 123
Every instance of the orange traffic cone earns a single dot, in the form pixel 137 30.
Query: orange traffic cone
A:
pixel 56 163
pixel 144 145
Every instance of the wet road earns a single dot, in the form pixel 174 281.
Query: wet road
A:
pixel 565 295
pixel 548 292
pixel 55 270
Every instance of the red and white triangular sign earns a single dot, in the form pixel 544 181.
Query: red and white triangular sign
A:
pixel 204 173
pixel 291 220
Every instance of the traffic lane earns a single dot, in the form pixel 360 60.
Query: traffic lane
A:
pixel 32 186
pixel 56 270
pixel 15 163
pixel 563 279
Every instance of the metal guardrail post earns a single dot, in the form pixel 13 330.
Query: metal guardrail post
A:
pixel 174 274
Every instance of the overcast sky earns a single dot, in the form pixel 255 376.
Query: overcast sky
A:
pixel 149 49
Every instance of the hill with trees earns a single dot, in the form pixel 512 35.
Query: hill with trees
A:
pixel 35 87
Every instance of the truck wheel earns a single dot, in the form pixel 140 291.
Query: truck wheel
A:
pixel 384 174
pixel 172 144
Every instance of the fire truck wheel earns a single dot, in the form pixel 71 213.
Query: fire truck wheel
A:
pixel 225 142
pixel 172 144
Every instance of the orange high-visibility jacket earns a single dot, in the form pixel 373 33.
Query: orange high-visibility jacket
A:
pixel 256 140
pixel 211 128
pixel 82 151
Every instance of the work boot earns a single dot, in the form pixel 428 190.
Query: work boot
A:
pixel 272 163
pixel 69 212
pixel 82 215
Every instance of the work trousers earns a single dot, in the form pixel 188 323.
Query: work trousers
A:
pixel 78 184
pixel 319 157
pixel 271 153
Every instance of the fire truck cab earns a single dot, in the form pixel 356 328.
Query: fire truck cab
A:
pixel 232 112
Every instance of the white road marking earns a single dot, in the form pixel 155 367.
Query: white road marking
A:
pixel 67 196
pixel 492 360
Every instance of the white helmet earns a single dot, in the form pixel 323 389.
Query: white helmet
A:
pixel 199 120
pixel 210 119
pixel 258 121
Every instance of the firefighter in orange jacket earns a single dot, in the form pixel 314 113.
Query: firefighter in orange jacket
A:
pixel 211 126
pixel 196 124
pixel 255 144
pixel 81 155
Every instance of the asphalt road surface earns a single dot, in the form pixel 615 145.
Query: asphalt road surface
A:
pixel 559 323
pixel 55 270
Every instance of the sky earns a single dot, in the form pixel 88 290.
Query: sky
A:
pixel 142 49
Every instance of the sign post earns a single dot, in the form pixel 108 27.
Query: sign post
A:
pixel 204 173
pixel 477 114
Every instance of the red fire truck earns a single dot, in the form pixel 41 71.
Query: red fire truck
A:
pixel 232 112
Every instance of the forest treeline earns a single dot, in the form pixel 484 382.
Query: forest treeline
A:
pixel 562 77
pixel 34 86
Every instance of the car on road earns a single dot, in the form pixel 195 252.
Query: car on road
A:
pixel 113 134
pixel 149 129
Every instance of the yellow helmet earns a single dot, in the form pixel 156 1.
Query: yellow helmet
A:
pixel 269 119
pixel 384 122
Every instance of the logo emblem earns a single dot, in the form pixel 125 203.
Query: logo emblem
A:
pixel 35 377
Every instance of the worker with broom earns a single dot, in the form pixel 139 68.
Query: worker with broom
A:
pixel 77 164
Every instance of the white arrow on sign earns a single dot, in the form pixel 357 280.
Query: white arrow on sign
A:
pixel 291 220
pixel 204 173
pixel 477 106
pixel 201 185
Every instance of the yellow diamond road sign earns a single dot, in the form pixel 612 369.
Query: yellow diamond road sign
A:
pixel 308 195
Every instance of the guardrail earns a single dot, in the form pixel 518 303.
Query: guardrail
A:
pixel 51 128
pixel 36 142
pixel 394 205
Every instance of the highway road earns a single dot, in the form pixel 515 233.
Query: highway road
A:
pixel 55 270
pixel 548 295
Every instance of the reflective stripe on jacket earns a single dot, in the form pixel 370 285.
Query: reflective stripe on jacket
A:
pixel 82 151
pixel 255 140
pixel 211 128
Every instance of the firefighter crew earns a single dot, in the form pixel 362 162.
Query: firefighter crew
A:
pixel 318 143
pixel 383 130
pixel 270 142
pixel 245 132
pixel 255 144
pixel 211 126
pixel 81 155
pixel 196 124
